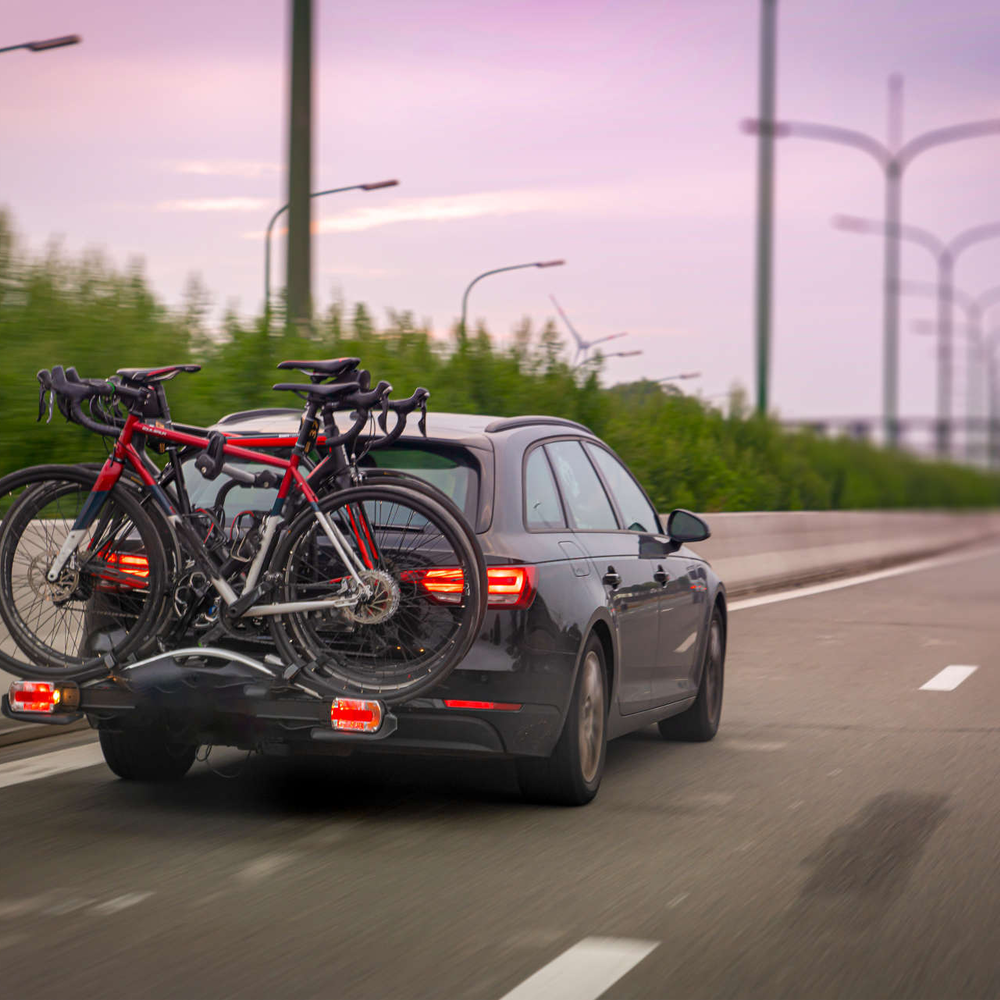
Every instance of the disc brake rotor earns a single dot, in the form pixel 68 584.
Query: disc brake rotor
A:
pixel 382 603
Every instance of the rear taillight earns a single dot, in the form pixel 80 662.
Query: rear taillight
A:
pixel 356 715
pixel 509 586
pixel 43 697
pixel 129 564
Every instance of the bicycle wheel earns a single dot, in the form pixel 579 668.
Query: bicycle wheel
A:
pixel 109 598
pixel 394 477
pixel 427 594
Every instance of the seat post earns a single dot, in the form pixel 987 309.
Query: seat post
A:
pixel 308 429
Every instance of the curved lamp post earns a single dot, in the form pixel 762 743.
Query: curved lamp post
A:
pixel 499 270
pixel 893 157
pixel 945 255
pixel 375 186
pixel 975 307
pixel 46 44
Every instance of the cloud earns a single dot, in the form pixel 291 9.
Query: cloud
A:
pixel 214 205
pixel 226 168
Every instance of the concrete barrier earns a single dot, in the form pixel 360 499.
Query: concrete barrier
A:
pixel 758 551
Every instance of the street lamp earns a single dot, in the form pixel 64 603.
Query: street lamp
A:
pixel 284 208
pixel 945 254
pixel 499 270
pixel 987 347
pixel 44 46
pixel 683 375
pixel 893 157
pixel 975 307
pixel 576 366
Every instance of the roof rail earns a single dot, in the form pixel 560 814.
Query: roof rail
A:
pixel 272 411
pixel 510 423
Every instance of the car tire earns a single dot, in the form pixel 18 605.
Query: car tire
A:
pixel 572 775
pixel 146 755
pixel 700 722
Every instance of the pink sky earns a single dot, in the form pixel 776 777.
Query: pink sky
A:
pixel 605 133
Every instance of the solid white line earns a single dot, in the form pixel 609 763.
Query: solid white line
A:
pixel 854 581
pixel 585 971
pixel 949 678
pixel 46 764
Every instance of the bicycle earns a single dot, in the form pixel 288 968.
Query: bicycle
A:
pixel 350 586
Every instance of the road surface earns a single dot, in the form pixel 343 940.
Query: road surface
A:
pixel 838 839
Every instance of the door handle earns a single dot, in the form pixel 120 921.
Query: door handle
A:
pixel 611 578
pixel 661 576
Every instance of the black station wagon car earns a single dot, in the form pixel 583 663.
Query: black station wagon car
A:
pixel 600 619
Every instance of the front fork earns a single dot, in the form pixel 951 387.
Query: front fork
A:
pixel 109 475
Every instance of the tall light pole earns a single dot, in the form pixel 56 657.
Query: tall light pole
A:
pixel 945 255
pixel 46 44
pixel 765 197
pixel 376 185
pixel 612 354
pixel 681 377
pixel 975 307
pixel 893 157
pixel 298 260
pixel 498 270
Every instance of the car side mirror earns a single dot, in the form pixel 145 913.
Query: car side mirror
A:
pixel 683 526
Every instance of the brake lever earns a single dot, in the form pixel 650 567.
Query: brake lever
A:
pixel 422 422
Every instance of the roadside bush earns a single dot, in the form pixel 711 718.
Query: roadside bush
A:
pixel 84 312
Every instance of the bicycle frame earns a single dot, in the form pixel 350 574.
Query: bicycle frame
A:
pixel 125 452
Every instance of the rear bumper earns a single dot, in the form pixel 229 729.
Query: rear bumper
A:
pixel 227 705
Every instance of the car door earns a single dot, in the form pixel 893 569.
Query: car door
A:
pixel 683 617
pixel 633 594
pixel 670 673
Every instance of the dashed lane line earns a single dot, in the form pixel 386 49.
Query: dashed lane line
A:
pixel 585 971
pixel 949 678
pixel 47 764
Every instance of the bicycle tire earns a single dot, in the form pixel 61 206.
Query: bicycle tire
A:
pixel 101 591
pixel 410 482
pixel 422 639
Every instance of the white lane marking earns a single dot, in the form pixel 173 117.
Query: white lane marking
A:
pixel 759 746
pixel 854 581
pixel 677 900
pixel 585 971
pixel 949 678
pixel 264 866
pixel 120 903
pixel 46 764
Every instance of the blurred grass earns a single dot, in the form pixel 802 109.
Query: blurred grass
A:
pixel 84 312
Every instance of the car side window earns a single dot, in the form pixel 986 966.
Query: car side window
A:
pixel 588 504
pixel 635 509
pixel 542 508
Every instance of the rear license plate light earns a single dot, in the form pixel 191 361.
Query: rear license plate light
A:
pixel 356 715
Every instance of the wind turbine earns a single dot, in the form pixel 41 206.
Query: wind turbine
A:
pixel 582 346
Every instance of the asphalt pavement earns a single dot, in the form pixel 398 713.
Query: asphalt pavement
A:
pixel 839 838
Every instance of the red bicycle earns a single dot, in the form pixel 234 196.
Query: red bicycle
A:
pixel 370 589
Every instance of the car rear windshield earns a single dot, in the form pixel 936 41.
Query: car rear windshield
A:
pixel 452 470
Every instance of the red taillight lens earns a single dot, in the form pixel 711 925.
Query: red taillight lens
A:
pixel 129 563
pixel 355 715
pixel 509 586
pixel 492 706
pixel 34 696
